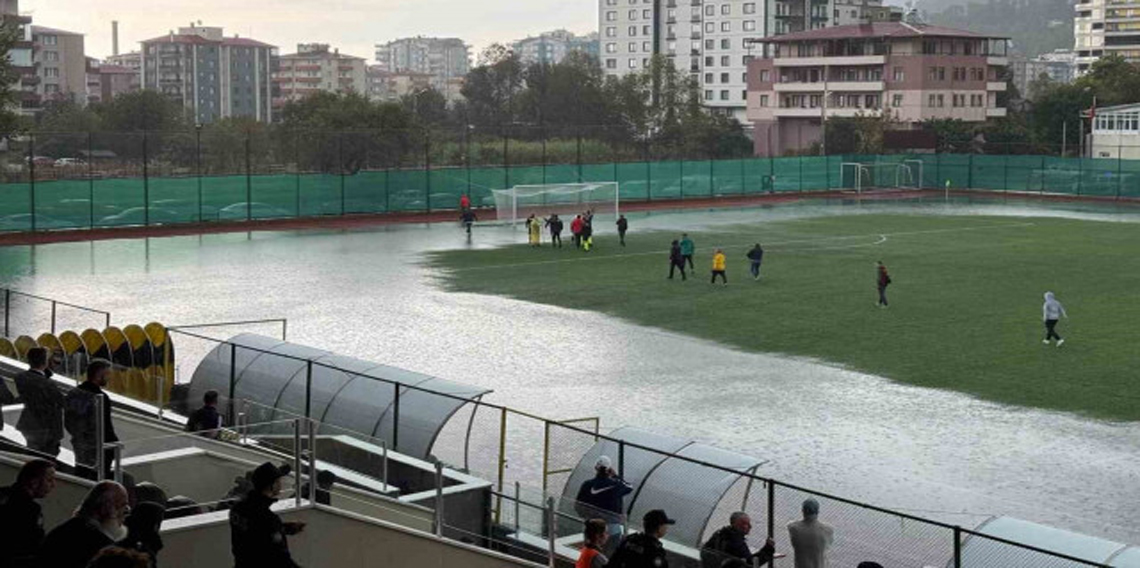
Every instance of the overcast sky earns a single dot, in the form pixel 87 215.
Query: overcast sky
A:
pixel 354 26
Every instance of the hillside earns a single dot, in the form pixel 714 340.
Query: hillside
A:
pixel 1035 26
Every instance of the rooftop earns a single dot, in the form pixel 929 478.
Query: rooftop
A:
pixel 45 29
pixel 884 30
pixel 197 39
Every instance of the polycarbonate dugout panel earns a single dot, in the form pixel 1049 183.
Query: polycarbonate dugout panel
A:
pixel 981 551
pixel 346 396
pixel 689 492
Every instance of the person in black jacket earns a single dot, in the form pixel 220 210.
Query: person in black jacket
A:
pixel 143 525
pixel 756 256
pixel 98 523
pixel 729 542
pixel 206 420
pixel 623 226
pixel 41 422
pixel 257 535
pixel 602 496
pixel 555 225
pixel 80 420
pixel 21 519
pixel 644 549
pixel 676 260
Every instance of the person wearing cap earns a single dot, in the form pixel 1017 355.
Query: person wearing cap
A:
pixel 644 549
pixel 602 496
pixel 257 534
pixel 810 538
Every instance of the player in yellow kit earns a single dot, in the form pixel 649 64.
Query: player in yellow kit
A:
pixel 718 267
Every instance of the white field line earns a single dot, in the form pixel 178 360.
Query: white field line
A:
pixel 882 238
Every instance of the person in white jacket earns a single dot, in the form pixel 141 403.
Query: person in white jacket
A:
pixel 1051 312
pixel 810 538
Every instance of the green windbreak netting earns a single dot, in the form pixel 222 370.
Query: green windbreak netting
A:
pixel 128 194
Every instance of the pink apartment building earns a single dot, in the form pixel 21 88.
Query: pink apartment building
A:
pixel 914 72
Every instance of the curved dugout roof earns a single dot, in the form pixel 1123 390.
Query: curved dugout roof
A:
pixel 664 479
pixel 347 396
pixel 980 551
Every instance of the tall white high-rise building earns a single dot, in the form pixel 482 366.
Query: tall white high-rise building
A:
pixel 710 39
pixel 446 60
pixel 1105 27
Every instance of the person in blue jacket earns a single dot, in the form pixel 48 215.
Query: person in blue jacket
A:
pixel 603 497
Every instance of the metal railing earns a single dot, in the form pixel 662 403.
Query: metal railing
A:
pixel 53 305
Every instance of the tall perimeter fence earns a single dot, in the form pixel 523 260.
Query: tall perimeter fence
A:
pixel 534 463
pixel 86 180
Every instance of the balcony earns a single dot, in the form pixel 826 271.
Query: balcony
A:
pixel 830 61
pixel 696 19
pixel 997 60
pixel 995 112
pixel 30 80
pixel 999 86
pixel 832 86
pixel 797 112
pixel 670 20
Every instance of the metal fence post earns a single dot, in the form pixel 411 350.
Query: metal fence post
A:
pixel 1119 171
pixel 198 165
pixel 771 514
pixel 99 437
pixel 32 180
pixel 308 387
pixel 146 178
pixel 552 531
pixel 518 504
pixel 396 418
pixel 957 546
pixel 312 496
pixel 118 450
pixel 621 459
pixel 90 183
pixel 438 521
pixel 427 169
pixel 248 181
pixel 297 462
pixel 384 462
pixel 159 388
pixel 7 312
pixel 233 379
pixel 502 462
pixel 340 166
pixel 53 310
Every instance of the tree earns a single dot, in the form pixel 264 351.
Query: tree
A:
pixel 491 87
pixel 343 133
pixel 1113 80
pixel 954 135
pixel 142 111
pixel 10 122
pixel 1056 107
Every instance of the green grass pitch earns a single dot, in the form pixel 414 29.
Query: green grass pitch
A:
pixel 965 309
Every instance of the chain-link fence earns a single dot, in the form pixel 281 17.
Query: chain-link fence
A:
pixel 87 180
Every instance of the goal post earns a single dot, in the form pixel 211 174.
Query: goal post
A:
pixel 517 203
pixel 860 176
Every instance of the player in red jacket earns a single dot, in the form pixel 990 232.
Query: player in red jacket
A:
pixel 576 229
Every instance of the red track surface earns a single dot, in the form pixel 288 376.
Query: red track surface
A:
pixel 372 220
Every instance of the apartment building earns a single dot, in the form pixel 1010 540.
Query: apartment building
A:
pixel 444 59
pixel 1059 65
pixel 106 81
pixel 132 60
pixel 552 47
pixel 315 68
pixel 1104 27
pixel 389 86
pixel 21 57
pixel 211 75
pixel 912 72
pixel 712 40
pixel 60 66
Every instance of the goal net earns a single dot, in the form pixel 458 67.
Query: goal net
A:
pixel 871 176
pixel 519 202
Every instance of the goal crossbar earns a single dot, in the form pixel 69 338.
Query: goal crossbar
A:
pixel 513 204
pixel 861 176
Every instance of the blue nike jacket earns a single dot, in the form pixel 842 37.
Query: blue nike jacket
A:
pixel 601 497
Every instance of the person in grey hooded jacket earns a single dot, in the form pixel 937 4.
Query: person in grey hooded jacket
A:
pixel 1051 312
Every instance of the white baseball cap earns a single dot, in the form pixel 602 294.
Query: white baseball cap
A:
pixel 603 461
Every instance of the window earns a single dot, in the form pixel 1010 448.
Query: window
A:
pixel 611 2
pixel 708 95
pixel 611 47
pixel 750 8
pixel 672 13
pixel 763 98
pixel 696 45
pixel 708 78
pixel 611 64
pixel 633 31
pixel 941 101
pixel 611 16
pixel 646 14
pixel 633 64
pixel 633 14
pixel 710 44
pixel 672 46
pixel 744 95
pixel 745 60
pixel 633 47
pixel 726 44
pixel 646 46
pixel 51 72
pixel 710 10
pixel 744 77
pixel 645 62
pixel 726 26
pixel 724 95
pixel 646 30
pixel 611 31
pixel 896 100
pixel 51 56
pixel 51 88
pixel 725 9
pixel 49 40
pixel 709 62
pixel 710 27
pixel 724 77
pixel 932 101
pixel 749 25
pixel 764 75
pixel 724 61
pixel 898 74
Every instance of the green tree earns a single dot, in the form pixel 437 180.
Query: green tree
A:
pixel 10 122
pixel 142 111
pixel 492 87
pixel 343 133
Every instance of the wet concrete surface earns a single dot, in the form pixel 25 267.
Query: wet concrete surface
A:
pixel 366 293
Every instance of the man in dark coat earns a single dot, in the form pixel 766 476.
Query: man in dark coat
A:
pixel 41 422
pixel 21 519
pixel 730 542
pixel 756 256
pixel 644 549
pixel 97 524
pixel 80 419
pixel 257 534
